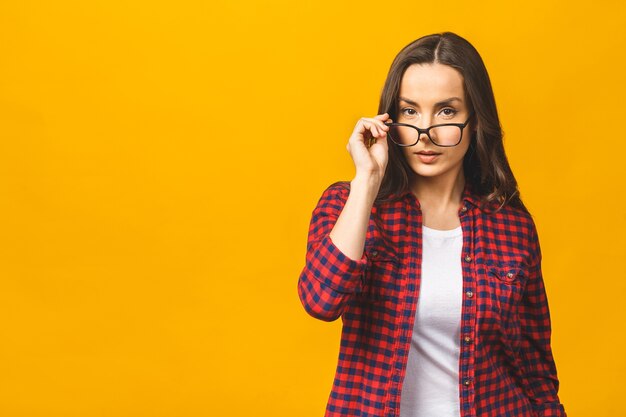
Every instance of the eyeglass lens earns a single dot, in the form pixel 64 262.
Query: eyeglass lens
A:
pixel 441 135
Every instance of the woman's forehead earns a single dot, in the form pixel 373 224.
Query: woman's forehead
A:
pixel 431 83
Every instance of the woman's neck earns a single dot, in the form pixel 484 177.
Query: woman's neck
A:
pixel 439 192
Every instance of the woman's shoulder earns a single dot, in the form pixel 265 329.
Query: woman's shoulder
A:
pixel 514 221
pixel 336 190
pixel 341 187
pixel 340 190
pixel 334 195
pixel 518 213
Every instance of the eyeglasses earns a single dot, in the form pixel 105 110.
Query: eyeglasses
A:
pixel 445 135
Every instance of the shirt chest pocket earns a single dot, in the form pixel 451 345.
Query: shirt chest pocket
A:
pixel 506 282
pixel 381 280
pixel 508 273
pixel 511 274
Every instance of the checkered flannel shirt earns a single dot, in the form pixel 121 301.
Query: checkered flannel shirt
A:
pixel 506 367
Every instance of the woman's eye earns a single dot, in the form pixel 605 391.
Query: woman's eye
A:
pixel 408 112
pixel 450 112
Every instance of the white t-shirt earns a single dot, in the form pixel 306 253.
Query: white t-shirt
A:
pixel 431 384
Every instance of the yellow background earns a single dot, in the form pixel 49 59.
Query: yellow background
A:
pixel 159 163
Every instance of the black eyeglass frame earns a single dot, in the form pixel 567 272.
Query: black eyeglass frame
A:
pixel 461 126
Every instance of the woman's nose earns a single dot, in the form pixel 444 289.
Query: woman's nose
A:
pixel 423 137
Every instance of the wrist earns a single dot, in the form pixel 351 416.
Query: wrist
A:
pixel 367 180
pixel 366 185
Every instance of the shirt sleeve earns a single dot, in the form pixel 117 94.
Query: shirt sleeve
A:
pixel 536 354
pixel 329 277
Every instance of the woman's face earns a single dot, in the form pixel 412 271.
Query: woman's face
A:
pixel 433 94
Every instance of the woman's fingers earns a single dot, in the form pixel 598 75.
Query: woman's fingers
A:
pixel 368 146
pixel 366 132
pixel 375 125
pixel 374 130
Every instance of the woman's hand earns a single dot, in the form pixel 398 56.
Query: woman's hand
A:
pixel 368 147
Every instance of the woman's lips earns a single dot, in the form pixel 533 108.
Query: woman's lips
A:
pixel 427 158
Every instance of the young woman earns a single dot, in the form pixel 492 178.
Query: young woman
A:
pixel 429 255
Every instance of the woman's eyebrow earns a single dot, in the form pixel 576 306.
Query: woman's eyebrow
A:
pixel 440 103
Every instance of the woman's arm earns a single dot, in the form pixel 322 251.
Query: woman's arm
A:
pixel 335 260
pixel 536 353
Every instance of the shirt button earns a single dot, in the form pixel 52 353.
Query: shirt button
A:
pixel 468 258
pixel 467 382
pixel 509 275
pixel 467 339
pixel 464 208
pixel 469 294
pixel 374 253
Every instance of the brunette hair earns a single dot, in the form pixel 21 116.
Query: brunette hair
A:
pixel 485 164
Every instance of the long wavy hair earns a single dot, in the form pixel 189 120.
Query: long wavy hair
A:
pixel 485 164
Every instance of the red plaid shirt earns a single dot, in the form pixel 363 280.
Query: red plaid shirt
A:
pixel 506 366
